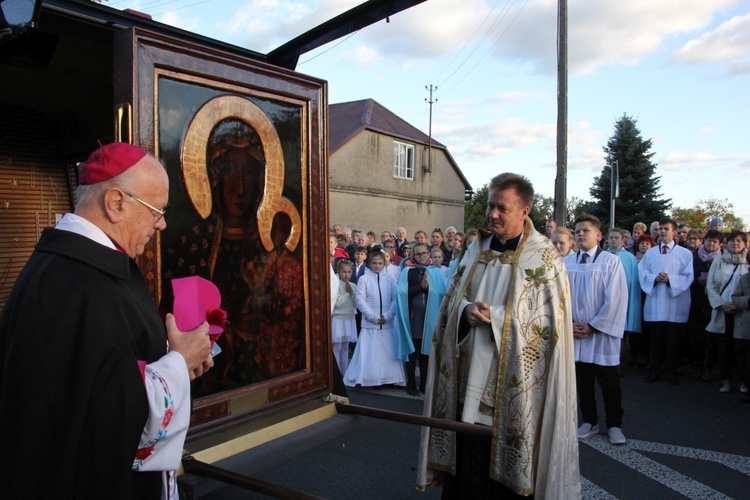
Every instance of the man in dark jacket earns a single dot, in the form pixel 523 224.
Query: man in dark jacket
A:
pixel 81 340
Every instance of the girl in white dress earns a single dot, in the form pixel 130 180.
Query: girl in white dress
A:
pixel 343 326
pixel 375 360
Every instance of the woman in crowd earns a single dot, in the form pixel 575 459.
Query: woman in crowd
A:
pixel 457 245
pixel 702 353
pixel 562 238
pixel 639 229
pixel 644 243
pixel 722 278
pixel 437 261
pixel 420 292
pixel 438 241
pixel 741 301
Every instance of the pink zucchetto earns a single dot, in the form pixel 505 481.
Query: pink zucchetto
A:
pixel 109 161
pixel 197 300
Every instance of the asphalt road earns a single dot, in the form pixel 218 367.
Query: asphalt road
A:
pixel 685 441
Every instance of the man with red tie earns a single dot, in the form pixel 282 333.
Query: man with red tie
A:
pixel 666 273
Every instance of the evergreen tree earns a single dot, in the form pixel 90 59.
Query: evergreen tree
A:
pixel 541 210
pixel 640 198
pixel 476 208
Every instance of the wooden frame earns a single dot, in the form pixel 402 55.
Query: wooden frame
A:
pixel 244 145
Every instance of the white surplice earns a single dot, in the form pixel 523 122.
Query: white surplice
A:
pixel 666 302
pixel 600 299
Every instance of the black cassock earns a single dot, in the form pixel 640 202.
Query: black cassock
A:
pixel 72 400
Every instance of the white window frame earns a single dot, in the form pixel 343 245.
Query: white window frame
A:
pixel 404 160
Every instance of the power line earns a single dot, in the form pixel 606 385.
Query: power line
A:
pixel 467 41
pixel 329 48
pixel 157 4
pixel 490 49
pixel 179 8
pixel 495 23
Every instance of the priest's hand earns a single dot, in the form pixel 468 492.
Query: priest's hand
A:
pixel 477 314
pixel 581 330
pixel 194 346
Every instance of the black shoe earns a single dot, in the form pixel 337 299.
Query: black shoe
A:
pixel 672 380
pixel 651 378
pixel 411 390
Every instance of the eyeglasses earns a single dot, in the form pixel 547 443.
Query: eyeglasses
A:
pixel 160 213
pixel 419 254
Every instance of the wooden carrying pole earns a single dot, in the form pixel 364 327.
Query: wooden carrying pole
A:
pixel 408 418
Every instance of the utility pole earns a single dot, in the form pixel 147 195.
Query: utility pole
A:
pixel 429 146
pixel 561 181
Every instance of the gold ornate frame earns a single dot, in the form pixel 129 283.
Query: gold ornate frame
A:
pixel 144 58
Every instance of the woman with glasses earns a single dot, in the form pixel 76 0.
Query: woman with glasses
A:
pixel 420 290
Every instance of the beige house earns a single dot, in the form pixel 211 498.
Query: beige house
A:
pixel 381 176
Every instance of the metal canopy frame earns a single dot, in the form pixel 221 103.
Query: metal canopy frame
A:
pixel 361 16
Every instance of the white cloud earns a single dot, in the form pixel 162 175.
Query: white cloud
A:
pixel 583 135
pixel 482 141
pixel 177 20
pixel 708 129
pixel 263 25
pixel 599 33
pixel 362 57
pixel 728 44
pixel 687 162
pixel 588 159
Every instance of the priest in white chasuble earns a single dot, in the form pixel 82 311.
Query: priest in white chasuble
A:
pixel 600 307
pixel 502 357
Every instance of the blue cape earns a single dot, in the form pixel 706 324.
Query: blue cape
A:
pixel 438 287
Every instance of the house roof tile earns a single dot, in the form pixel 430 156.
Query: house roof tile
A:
pixel 346 119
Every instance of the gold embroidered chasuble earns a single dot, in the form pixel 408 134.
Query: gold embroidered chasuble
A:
pixel 528 393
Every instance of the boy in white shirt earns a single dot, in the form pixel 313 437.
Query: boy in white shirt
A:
pixel 600 304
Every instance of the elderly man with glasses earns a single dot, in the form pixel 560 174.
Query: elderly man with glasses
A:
pixel 93 382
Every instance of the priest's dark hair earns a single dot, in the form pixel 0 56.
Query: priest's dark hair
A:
pixel 521 184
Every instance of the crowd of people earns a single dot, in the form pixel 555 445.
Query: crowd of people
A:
pixel 697 323
pixel 389 293
pixel 677 297
pixel 480 323
pixel 524 327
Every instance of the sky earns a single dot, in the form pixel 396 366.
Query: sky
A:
pixel 681 68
